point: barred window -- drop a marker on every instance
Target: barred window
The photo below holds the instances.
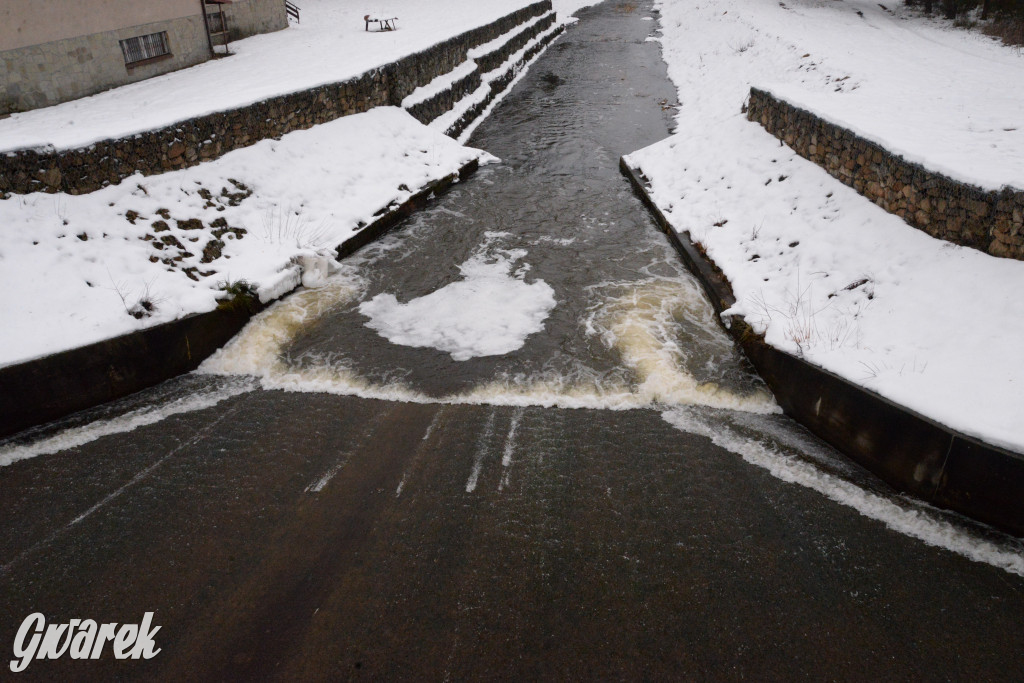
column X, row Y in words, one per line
column 141, row 48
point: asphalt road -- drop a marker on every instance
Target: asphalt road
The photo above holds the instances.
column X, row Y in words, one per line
column 293, row 536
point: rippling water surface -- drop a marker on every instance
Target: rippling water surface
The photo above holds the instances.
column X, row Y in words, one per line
column 431, row 311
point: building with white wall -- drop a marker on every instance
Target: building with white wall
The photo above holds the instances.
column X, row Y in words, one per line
column 52, row 51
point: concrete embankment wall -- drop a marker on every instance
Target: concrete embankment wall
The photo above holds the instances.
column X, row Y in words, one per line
column 991, row 221
column 907, row 450
column 193, row 141
column 49, row 388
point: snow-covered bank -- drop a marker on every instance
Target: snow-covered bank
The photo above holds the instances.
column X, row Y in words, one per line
column 820, row 270
column 76, row 267
column 153, row 249
column 330, row 45
column 948, row 99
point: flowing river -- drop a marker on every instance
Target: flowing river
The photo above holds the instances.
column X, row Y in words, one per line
column 509, row 439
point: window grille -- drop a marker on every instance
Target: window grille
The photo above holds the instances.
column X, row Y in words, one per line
column 141, row 48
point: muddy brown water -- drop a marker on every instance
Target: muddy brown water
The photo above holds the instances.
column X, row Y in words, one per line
column 396, row 514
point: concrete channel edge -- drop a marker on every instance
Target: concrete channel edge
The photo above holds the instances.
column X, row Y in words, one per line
column 55, row 386
column 907, row 450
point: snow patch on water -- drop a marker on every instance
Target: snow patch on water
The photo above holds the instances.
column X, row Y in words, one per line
column 490, row 312
column 916, row 523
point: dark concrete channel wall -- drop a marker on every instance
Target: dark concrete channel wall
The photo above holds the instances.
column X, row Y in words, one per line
column 194, row 141
column 55, row 386
column 909, row 451
column 992, row 221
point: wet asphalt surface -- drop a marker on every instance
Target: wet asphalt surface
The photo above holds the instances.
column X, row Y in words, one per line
column 302, row 535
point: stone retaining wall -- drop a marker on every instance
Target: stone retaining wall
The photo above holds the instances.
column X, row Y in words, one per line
column 429, row 109
column 191, row 142
column 992, row 221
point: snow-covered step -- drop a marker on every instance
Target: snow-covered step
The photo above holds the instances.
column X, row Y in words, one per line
column 461, row 94
column 491, row 55
column 460, row 119
column 427, row 102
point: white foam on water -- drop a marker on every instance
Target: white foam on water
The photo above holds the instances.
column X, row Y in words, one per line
column 319, row 484
column 637, row 323
column 641, row 323
column 560, row 241
column 79, row 436
column 510, row 440
column 490, row 312
column 552, row 392
column 256, row 349
column 510, row 448
column 433, row 424
column 916, row 523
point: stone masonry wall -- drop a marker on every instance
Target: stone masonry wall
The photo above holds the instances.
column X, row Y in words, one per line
column 191, row 142
column 251, row 17
column 992, row 221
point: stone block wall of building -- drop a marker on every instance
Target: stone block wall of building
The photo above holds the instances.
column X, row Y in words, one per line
column 42, row 75
column 251, row 17
column 991, row 221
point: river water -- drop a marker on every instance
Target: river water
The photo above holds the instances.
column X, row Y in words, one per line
column 542, row 279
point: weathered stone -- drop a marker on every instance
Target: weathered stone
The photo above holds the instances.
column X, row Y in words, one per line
column 52, row 177
column 212, row 251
